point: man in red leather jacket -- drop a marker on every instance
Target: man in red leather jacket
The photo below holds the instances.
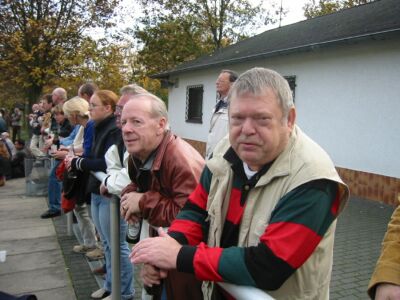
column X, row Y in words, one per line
column 164, row 170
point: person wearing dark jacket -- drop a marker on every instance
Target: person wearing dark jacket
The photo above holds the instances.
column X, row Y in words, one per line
column 60, row 129
column 16, row 123
column 106, row 133
column 3, row 123
column 17, row 162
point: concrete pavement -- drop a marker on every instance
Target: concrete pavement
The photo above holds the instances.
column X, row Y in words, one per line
column 34, row 262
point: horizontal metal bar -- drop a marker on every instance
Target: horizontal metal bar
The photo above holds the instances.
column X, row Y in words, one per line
column 240, row 292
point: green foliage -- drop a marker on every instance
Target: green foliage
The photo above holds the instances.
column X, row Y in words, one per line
column 323, row 7
column 100, row 62
column 42, row 41
column 170, row 43
column 175, row 31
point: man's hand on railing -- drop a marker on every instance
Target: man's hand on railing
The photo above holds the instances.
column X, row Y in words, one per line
column 161, row 251
column 130, row 210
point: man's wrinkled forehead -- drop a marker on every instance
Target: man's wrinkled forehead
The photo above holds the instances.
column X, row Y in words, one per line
column 237, row 95
column 136, row 102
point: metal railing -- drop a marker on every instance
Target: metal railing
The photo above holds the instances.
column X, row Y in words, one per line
column 239, row 292
column 115, row 242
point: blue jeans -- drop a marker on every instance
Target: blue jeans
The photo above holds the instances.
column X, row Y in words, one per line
column 54, row 189
column 101, row 218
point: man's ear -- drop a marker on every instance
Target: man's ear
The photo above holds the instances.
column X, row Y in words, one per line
column 162, row 123
column 291, row 119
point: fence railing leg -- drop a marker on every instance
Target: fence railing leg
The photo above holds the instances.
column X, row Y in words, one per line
column 69, row 223
column 115, row 249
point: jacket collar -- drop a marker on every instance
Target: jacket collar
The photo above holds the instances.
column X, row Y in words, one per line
column 103, row 123
column 168, row 136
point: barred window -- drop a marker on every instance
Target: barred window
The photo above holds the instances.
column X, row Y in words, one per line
column 194, row 104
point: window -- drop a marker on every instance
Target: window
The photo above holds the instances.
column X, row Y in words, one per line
column 194, row 104
column 292, row 84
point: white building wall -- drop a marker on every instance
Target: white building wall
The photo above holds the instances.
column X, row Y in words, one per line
column 347, row 100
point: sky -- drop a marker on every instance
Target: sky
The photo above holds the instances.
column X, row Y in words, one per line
column 295, row 11
column 294, row 14
column 293, row 8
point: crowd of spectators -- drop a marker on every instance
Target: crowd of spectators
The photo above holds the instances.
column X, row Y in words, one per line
column 259, row 211
column 12, row 151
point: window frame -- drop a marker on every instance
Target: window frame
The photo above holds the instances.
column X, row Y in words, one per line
column 194, row 119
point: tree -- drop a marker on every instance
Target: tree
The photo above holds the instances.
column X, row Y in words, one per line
column 174, row 31
column 41, row 40
column 170, row 43
column 101, row 62
column 323, row 7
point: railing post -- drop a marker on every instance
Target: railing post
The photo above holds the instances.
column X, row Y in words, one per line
column 115, row 241
column 115, row 249
column 69, row 222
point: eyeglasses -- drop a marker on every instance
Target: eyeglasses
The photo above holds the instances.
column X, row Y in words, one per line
column 118, row 108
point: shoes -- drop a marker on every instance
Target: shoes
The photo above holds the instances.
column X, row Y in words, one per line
column 133, row 233
column 2, row 180
column 100, row 294
column 101, row 271
column 50, row 214
column 95, row 254
column 82, row 249
column 109, row 298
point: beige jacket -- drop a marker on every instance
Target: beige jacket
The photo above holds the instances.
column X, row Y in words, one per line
column 301, row 161
column 218, row 130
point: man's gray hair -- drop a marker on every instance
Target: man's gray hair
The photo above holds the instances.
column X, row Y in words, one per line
column 232, row 74
column 62, row 93
column 257, row 80
column 158, row 107
column 132, row 89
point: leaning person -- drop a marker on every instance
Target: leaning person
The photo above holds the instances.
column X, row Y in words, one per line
column 116, row 158
column 77, row 111
column 164, row 170
column 264, row 213
column 106, row 133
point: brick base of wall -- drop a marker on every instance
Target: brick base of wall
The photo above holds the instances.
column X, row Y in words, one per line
column 372, row 186
column 199, row 146
column 362, row 184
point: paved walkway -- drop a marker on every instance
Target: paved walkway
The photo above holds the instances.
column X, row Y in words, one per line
column 34, row 262
column 40, row 260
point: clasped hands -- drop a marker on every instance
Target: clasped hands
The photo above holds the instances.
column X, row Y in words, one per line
column 158, row 254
